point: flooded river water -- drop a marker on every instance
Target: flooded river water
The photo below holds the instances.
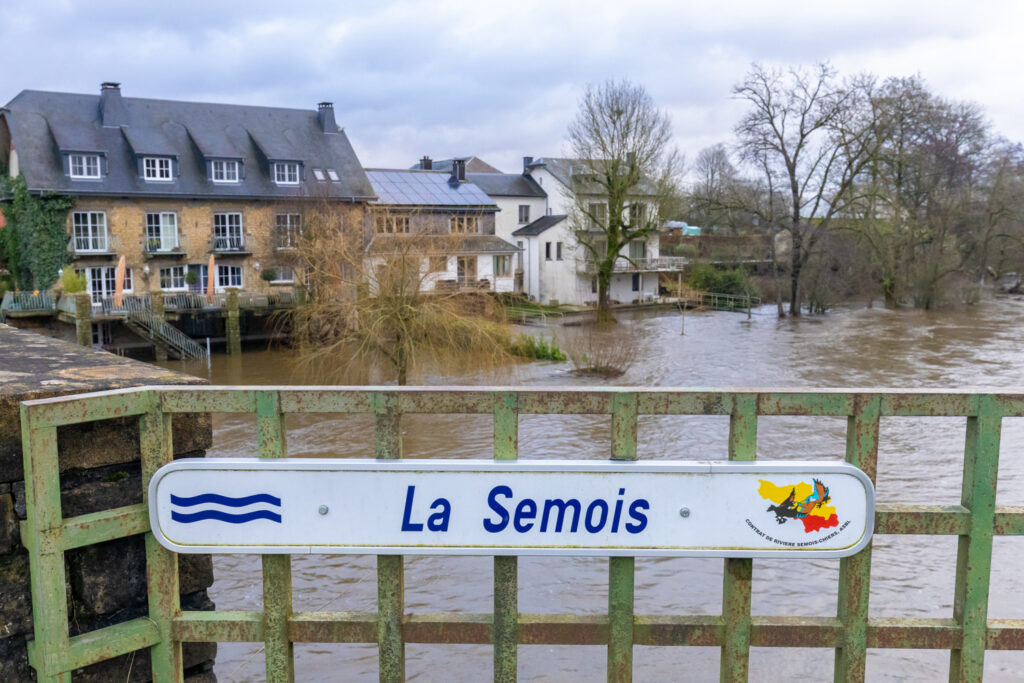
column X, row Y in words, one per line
column 920, row 461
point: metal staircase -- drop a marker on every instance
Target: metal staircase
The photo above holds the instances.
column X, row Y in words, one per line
column 148, row 326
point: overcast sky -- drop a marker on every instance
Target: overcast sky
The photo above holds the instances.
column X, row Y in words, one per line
column 500, row 80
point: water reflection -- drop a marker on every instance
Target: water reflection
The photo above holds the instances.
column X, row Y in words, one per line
column 920, row 460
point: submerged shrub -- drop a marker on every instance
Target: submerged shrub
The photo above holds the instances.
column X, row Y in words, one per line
column 539, row 348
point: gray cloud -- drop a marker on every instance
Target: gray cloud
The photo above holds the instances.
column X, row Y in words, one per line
column 495, row 79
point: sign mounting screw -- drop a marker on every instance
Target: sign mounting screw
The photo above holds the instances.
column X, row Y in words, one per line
column 684, row 512
column 322, row 510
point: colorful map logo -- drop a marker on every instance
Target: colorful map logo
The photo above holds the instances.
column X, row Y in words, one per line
column 808, row 503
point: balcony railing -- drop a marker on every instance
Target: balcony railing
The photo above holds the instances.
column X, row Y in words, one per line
column 26, row 303
column 130, row 303
column 153, row 247
column 231, row 244
column 660, row 263
column 94, row 245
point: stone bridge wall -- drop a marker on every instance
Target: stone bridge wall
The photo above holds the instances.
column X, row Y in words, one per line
column 99, row 464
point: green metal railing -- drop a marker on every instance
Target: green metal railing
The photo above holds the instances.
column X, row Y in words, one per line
column 850, row 633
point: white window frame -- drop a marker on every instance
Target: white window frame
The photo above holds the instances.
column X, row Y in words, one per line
column 637, row 250
column 89, row 230
column 227, row 231
column 333, row 175
column 101, row 282
column 224, row 171
column 158, row 169
column 286, row 173
column 226, row 277
column 161, row 231
column 318, row 173
column 279, row 270
column 83, row 161
column 202, row 271
column 287, row 230
column 176, row 276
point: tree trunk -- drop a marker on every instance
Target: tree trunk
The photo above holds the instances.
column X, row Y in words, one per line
column 604, row 304
column 796, row 259
column 775, row 279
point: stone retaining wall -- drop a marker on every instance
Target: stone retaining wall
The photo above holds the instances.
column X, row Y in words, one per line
column 99, row 464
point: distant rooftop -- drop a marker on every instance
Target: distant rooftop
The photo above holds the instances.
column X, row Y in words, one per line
column 473, row 165
column 395, row 187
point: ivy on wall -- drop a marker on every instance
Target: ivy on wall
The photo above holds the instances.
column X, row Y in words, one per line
column 34, row 241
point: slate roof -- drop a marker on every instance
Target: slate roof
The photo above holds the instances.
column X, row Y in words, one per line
column 473, row 165
column 46, row 125
column 425, row 188
column 506, row 184
column 450, row 244
column 539, row 225
column 564, row 170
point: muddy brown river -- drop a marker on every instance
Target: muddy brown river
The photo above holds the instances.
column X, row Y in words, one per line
column 920, row 461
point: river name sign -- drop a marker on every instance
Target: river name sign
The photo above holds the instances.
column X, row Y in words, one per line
column 524, row 507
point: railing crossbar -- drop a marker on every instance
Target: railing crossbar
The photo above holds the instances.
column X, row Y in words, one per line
column 851, row 632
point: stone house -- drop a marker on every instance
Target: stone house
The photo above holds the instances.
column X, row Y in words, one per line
column 453, row 223
column 168, row 184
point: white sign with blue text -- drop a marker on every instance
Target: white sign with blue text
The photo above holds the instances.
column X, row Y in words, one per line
column 524, row 507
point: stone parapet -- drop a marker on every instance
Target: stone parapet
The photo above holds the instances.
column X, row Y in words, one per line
column 99, row 470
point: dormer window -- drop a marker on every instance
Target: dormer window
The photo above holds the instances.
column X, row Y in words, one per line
column 286, row 173
column 156, row 168
column 85, row 165
column 224, row 171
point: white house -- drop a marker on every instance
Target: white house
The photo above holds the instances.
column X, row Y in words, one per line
column 559, row 269
column 534, row 213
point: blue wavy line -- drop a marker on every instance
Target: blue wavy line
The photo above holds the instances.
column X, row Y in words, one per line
column 224, row 516
column 225, row 500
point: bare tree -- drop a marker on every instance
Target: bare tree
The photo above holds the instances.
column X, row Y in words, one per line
column 376, row 300
column 624, row 177
column 933, row 201
column 811, row 137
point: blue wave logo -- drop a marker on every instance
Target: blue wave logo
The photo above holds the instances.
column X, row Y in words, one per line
column 187, row 516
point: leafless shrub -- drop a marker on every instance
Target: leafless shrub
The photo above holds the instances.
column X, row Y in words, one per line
column 601, row 351
column 376, row 301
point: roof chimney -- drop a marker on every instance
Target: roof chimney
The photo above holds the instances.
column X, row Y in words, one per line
column 526, row 164
column 458, row 171
column 426, row 164
column 112, row 111
column 326, row 114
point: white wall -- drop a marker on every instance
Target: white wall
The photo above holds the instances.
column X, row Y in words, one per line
column 506, row 221
column 557, row 202
column 561, row 281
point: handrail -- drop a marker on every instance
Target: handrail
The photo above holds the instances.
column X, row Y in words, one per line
column 152, row 246
column 160, row 331
column 103, row 245
column 654, row 263
column 24, row 302
column 850, row 630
